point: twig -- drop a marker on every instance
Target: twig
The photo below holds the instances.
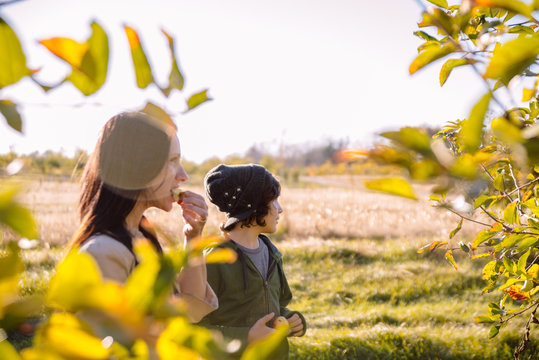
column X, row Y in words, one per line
column 526, row 338
column 535, row 303
column 467, row 218
column 507, row 228
column 523, row 186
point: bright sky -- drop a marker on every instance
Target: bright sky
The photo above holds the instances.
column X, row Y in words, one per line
column 280, row 72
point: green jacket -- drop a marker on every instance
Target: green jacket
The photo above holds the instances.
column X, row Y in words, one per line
column 244, row 296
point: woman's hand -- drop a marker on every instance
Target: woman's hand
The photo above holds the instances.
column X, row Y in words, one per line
column 195, row 214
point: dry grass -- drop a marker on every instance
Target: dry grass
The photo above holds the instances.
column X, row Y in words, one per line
column 344, row 211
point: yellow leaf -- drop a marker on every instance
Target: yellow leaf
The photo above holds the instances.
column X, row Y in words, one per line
column 197, row 99
column 393, row 186
column 143, row 71
column 430, row 54
column 202, row 243
column 221, row 256
column 69, row 50
column 472, row 128
column 66, row 335
column 449, row 257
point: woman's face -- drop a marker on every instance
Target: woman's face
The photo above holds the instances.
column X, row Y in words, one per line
column 172, row 175
column 272, row 219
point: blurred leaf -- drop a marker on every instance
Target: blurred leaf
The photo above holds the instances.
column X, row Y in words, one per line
column 448, row 66
column 528, row 94
column 158, row 113
column 14, row 215
column 151, row 282
column 201, row 243
column 7, row 351
column 510, row 214
column 12, row 61
column 440, row 3
column 69, row 50
column 510, row 5
column 506, row 131
column 466, row 166
column 266, row 348
column 143, row 70
column 175, row 78
column 88, row 60
column 181, row 340
column 413, row 138
column 221, row 256
column 76, row 277
column 67, row 336
column 429, row 55
column 512, row 58
column 18, row 311
column 472, row 128
column 520, row 29
column 456, row 230
column 449, row 257
column 13, row 118
column 11, row 267
column 197, row 99
column 393, row 186
column 424, row 36
column 438, row 18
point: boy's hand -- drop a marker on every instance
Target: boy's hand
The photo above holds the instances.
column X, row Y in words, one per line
column 259, row 330
column 296, row 325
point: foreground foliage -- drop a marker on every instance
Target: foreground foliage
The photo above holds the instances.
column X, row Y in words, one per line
column 489, row 162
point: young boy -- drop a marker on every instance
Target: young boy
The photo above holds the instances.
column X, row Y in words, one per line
column 253, row 291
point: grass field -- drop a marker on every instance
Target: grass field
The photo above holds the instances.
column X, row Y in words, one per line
column 352, row 263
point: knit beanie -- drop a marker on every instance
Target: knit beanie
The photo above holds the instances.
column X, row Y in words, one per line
column 235, row 189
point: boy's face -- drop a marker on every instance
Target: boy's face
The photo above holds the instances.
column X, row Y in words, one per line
column 272, row 219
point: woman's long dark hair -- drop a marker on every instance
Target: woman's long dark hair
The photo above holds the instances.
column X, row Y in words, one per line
column 103, row 208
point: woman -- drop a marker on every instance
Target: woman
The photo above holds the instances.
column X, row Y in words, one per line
column 135, row 166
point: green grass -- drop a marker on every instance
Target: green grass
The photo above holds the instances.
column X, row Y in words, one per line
column 369, row 299
column 379, row 299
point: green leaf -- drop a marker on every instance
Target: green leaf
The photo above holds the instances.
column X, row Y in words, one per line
column 449, row 257
column 512, row 58
column 530, row 204
column 440, row 3
column 494, row 331
column 472, row 128
column 393, row 186
column 523, row 261
column 508, row 242
column 483, row 236
column 484, row 200
column 197, row 99
column 429, row 55
column 456, row 230
column 520, row 29
column 510, row 214
column 13, row 118
column 510, row 266
column 528, row 243
column 448, row 66
column 175, row 78
column 143, row 70
column 12, row 61
column 484, row 319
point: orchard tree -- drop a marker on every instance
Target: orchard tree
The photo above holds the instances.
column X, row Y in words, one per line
column 135, row 321
column 490, row 158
